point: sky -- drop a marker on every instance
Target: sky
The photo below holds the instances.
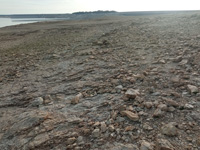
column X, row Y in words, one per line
column 70, row 6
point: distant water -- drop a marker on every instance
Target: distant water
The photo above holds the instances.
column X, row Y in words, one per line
column 9, row 22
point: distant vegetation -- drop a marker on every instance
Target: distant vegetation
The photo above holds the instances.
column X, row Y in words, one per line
column 93, row 12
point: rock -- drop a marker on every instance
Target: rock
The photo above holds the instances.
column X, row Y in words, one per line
column 38, row 140
column 129, row 128
column 111, row 128
column 163, row 144
column 119, row 87
column 37, row 102
column 183, row 62
column 77, row 98
column 148, row 105
column 114, row 114
column 130, row 115
column 78, row 148
column 175, row 94
column 158, row 113
column 175, row 79
column 120, row 146
column 177, row 59
column 103, row 127
column 120, row 119
column 74, row 119
column 162, row 61
column 147, row 127
column 171, row 109
column 198, row 141
column 169, row 129
column 48, row 99
column 156, row 94
column 80, row 139
column 131, row 93
column 162, row 107
column 171, row 102
column 188, row 106
column 96, row 133
column 96, row 124
column 146, row 146
column 71, row 140
column 192, row 89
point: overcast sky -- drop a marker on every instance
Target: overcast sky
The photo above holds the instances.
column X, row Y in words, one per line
column 69, row 6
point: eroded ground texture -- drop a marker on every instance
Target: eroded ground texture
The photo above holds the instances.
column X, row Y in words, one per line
column 120, row 83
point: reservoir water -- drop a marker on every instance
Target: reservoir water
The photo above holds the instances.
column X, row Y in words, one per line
column 9, row 21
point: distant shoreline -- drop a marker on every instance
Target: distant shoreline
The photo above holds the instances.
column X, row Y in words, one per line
column 33, row 18
column 78, row 15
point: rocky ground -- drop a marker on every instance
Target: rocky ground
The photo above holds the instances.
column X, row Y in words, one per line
column 120, row 83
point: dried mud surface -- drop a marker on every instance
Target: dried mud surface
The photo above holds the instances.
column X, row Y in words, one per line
column 115, row 83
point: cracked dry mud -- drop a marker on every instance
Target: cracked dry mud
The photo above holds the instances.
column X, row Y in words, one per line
column 118, row 83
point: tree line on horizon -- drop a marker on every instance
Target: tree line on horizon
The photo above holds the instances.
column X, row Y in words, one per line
column 93, row 12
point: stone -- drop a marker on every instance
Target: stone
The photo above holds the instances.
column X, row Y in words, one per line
column 129, row 128
column 175, row 79
column 131, row 93
column 146, row 146
column 96, row 133
column 38, row 140
column 132, row 116
column 183, row 62
column 48, row 99
column 114, row 114
column 96, row 124
column 71, row 140
column 120, row 146
column 148, row 105
column 171, row 102
column 80, row 139
column 162, row 61
column 198, row 141
column 188, row 106
column 162, row 107
column 111, row 128
column 171, row 109
column 76, row 99
column 163, row 144
column 169, row 129
column 147, row 127
column 120, row 119
column 37, row 102
column 119, row 87
column 178, row 59
column 158, row 113
column 192, row 89
column 156, row 94
column 103, row 127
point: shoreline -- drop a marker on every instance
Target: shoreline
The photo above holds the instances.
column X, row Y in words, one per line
column 117, row 82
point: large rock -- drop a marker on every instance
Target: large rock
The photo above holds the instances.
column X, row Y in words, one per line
column 163, row 144
column 33, row 129
column 131, row 93
column 193, row 89
column 96, row 133
column 158, row 113
column 77, row 98
column 146, row 146
column 169, row 129
column 37, row 102
column 130, row 115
